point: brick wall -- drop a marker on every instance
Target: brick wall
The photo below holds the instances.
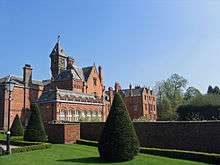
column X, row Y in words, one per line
column 92, row 88
column 195, row 136
column 63, row 133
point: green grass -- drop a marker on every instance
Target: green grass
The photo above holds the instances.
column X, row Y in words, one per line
column 14, row 138
column 2, row 136
column 75, row 154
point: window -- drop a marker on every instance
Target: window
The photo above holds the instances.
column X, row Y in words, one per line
column 62, row 115
column 94, row 81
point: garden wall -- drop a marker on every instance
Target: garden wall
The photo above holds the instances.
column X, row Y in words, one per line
column 63, row 133
column 195, row 136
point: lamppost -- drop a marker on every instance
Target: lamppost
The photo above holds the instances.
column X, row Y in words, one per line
column 9, row 87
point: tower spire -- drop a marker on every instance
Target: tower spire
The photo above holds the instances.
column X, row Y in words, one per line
column 58, row 38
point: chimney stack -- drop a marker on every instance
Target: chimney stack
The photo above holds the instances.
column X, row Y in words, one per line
column 111, row 94
column 27, row 74
column 100, row 74
column 130, row 87
column 117, row 86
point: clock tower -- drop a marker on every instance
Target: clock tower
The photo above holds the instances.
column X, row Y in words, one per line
column 58, row 60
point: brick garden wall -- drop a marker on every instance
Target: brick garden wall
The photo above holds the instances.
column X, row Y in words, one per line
column 63, row 133
column 195, row 136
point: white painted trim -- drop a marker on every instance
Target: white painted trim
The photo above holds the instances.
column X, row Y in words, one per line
column 66, row 101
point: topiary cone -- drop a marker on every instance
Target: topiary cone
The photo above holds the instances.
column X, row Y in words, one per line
column 16, row 127
column 35, row 130
column 118, row 141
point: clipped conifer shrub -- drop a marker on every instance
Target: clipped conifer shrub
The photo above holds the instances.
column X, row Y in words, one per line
column 118, row 141
column 35, row 130
column 16, row 127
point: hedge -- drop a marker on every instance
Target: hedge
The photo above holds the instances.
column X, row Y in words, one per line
column 171, row 153
column 31, row 148
column 39, row 146
column 196, row 112
column 21, row 143
column 181, row 154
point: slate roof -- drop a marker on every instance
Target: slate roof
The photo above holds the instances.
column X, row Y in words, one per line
column 74, row 73
column 128, row 92
column 67, row 95
column 58, row 49
column 87, row 71
column 132, row 92
column 19, row 80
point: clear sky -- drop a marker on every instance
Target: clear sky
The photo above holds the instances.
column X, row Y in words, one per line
column 136, row 41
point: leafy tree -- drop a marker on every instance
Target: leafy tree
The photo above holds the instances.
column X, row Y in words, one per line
column 118, row 141
column 35, row 129
column 210, row 90
column 204, row 100
column 16, row 127
column 165, row 111
column 172, row 90
column 216, row 90
column 191, row 93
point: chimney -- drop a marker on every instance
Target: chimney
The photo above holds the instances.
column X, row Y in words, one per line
column 130, row 87
column 27, row 74
column 100, row 74
column 111, row 94
column 70, row 62
column 117, row 86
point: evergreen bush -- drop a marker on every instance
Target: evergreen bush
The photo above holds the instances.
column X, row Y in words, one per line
column 35, row 130
column 16, row 127
column 118, row 141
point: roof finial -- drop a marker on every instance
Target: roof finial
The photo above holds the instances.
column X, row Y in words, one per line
column 58, row 38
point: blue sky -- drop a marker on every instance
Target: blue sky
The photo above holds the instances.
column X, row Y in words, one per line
column 136, row 41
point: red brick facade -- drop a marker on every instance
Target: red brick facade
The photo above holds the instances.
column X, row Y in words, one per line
column 63, row 133
column 23, row 95
column 72, row 93
column 139, row 101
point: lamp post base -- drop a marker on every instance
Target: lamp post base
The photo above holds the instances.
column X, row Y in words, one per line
column 8, row 149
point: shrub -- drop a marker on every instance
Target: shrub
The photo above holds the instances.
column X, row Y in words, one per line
column 194, row 112
column 35, row 131
column 118, row 141
column 31, row 148
column 16, row 127
column 142, row 119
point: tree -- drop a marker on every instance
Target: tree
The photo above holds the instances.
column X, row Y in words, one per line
column 172, row 90
column 16, row 127
column 35, row 129
column 210, row 90
column 191, row 93
column 165, row 111
column 216, row 90
column 118, row 141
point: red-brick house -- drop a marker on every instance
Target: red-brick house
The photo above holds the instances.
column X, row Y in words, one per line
column 140, row 101
column 72, row 93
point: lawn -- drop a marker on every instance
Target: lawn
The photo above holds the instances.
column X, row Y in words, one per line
column 2, row 136
column 74, row 154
